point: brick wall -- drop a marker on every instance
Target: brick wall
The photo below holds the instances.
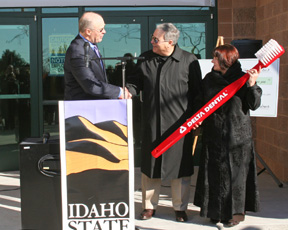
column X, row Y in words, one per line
column 272, row 133
column 263, row 20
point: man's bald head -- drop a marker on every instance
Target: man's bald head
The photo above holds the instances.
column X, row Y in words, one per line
column 88, row 19
column 91, row 27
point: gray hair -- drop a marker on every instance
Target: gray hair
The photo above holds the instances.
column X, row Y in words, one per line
column 84, row 24
column 171, row 32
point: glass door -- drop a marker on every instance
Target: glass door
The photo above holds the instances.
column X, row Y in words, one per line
column 15, row 84
column 125, row 37
column 57, row 34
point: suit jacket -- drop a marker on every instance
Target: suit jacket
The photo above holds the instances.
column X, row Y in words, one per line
column 84, row 83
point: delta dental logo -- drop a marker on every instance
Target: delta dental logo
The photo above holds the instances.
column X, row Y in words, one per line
column 204, row 112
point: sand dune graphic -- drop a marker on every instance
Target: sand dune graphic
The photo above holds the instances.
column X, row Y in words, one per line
column 95, row 146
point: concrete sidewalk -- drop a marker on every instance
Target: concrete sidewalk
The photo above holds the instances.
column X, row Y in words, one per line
column 273, row 214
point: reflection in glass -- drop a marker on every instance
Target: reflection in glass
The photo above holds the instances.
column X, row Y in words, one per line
column 120, row 40
column 192, row 38
column 57, row 35
column 14, row 59
column 14, row 72
column 51, row 119
column 14, row 86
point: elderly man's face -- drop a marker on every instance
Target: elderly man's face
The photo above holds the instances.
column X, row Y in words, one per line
column 160, row 45
column 97, row 30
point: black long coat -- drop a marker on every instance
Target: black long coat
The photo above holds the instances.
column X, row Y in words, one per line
column 226, row 182
column 169, row 86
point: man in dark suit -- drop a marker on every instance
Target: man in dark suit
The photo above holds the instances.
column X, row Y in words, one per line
column 86, row 79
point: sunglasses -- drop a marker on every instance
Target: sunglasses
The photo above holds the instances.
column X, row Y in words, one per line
column 156, row 40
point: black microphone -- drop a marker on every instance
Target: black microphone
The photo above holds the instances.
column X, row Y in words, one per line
column 86, row 54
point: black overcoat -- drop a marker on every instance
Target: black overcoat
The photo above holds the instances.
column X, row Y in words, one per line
column 169, row 86
column 226, row 182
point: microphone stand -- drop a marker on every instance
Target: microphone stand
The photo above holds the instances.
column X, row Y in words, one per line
column 123, row 65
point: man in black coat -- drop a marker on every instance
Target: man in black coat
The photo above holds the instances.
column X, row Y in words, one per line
column 84, row 73
column 170, row 79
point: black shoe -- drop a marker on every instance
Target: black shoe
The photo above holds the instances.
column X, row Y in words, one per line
column 214, row 221
column 147, row 214
column 181, row 216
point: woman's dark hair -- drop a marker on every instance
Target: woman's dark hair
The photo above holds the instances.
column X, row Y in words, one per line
column 227, row 55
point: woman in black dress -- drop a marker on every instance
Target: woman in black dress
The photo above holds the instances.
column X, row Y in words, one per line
column 226, row 185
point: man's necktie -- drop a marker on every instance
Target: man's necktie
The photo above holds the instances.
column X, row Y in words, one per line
column 99, row 56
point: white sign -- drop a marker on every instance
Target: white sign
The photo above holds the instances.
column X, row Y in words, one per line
column 58, row 45
column 268, row 80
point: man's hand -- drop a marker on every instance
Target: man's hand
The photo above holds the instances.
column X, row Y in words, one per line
column 128, row 95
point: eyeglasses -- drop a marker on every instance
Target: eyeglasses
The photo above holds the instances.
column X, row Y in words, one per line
column 100, row 30
column 156, row 40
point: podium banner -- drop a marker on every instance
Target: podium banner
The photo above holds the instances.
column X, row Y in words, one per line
column 97, row 165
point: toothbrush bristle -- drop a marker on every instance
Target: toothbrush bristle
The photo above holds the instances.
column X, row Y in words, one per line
column 269, row 52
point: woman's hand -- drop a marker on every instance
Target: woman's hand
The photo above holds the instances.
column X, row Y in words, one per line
column 254, row 73
column 197, row 125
